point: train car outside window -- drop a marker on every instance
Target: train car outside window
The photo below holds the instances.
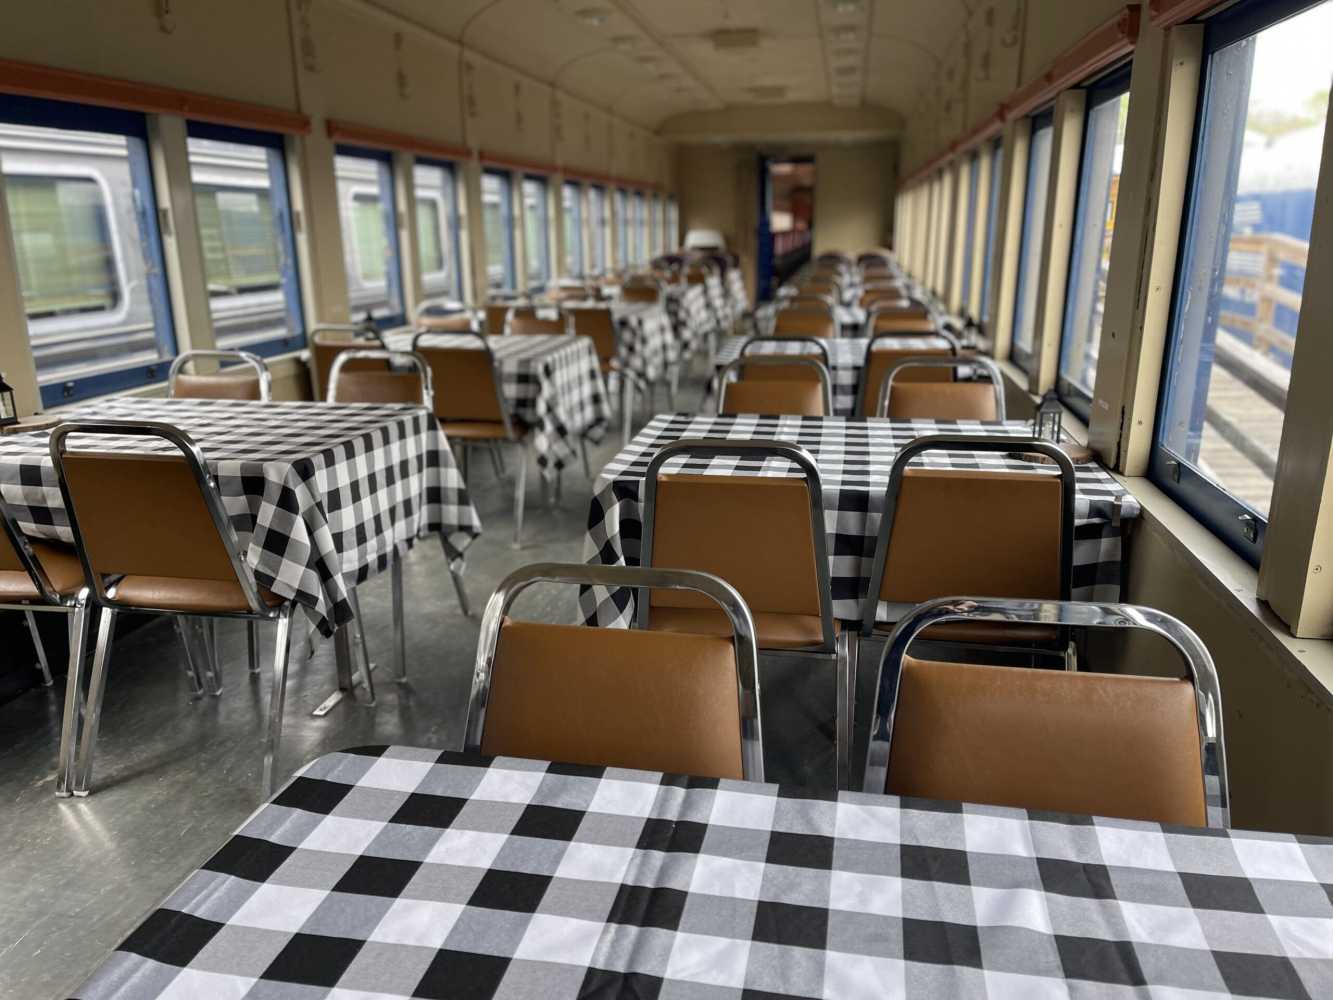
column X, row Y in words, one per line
column 370, row 235
column 658, row 227
column 536, row 230
column 437, row 229
column 85, row 230
column 1033, row 239
column 672, row 224
column 497, row 211
column 1242, row 266
column 245, row 229
column 597, row 229
column 1094, row 226
column 571, row 196
column 622, row 257
column 639, row 220
column 992, row 213
column 969, row 227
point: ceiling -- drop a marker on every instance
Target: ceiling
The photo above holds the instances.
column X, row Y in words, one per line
column 652, row 60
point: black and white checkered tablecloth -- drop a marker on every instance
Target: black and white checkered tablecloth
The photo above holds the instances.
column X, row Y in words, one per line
column 397, row 872
column 553, row 383
column 736, row 293
column 719, row 301
column 854, row 458
column 648, row 343
column 846, row 359
column 317, row 492
column 693, row 321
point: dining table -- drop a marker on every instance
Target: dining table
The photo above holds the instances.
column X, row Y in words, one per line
column 854, row 457
column 403, row 872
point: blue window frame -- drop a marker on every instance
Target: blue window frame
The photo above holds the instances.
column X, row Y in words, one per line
column 369, row 218
column 497, row 211
column 992, row 211
column 439, row 246
column 1033, row 240
column 83, row 214
column 245, row 229
column 1241, row 270
column 970, row 228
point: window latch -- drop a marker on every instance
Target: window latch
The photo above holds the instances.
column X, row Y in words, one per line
column 1249, row 527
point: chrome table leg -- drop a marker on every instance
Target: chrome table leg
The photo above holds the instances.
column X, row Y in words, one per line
column 69, row 723
column 281, row 654
column 92, row 714
column 399, row 630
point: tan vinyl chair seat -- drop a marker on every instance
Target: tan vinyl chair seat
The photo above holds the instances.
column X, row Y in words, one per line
column 772, row 631
column 774, row 396
column 63, row 570
column 480, row 430
column 217, row 386
column 1085, row 743
column 941, row 400
column 615, row 697
column 180, row 594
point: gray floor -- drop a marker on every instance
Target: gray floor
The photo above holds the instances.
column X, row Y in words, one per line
column 174, row 778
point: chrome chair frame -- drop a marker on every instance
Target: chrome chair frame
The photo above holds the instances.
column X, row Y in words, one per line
column 363, row 331
column 241, row 357
column 395, row 359
column 861, row 386
column 76, row 774
column 842, row 647
column 966, row 442
column 521, row 476
column 1067, row 614
column 803, row 302
column 991, row 369
column 637, row 579
column 47, row 599
column 819, row 346
column 737, row 366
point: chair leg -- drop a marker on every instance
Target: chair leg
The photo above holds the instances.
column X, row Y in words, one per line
column 42, row 665
column 92, row 714
column 846, row 706
column 495, row 462
column 281, row 654
column 464, row 450
column 69, row 724
column 194, row 667
column 587, row 466
column 456, row 571
column 626, row 407
column 358, row 624
column 399, row 629
column 520, row 491
column 202, row 634
column 252, row 641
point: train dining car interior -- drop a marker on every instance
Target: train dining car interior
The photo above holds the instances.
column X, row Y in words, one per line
column 714, row 499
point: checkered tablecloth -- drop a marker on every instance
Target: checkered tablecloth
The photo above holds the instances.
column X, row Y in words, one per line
column 719, row 301
column 846, row 359
column 397, row 872
column 318, row 493
column 693, row 321
column 854, row 458
column 736, row 293
column 648, row 344
column 552, row 382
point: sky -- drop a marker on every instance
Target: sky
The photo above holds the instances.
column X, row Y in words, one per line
column 1293, row 60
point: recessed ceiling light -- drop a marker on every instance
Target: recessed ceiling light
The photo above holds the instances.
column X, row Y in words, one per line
column 844, row 54
column 846, row 6
column 846, row 70
column 624, row 41
column 844, row 34
column 595, row 16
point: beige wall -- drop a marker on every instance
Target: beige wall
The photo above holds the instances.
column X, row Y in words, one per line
column 854, row 190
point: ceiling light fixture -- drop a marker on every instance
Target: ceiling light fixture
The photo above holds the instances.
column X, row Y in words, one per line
column 846, row 6
column 594, row 16
column 844, row 34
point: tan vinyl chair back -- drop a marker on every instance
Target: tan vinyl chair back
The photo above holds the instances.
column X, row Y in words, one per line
column 789, row 397
column 804, row 322
column 571, row 293
column 696, row 276
column 378, row 387
column 458, row 322
column 496, row 314
column 599, row 324
column 640, row 292
column 886, row 298
column 1051, row 740
column 463, row 380
column 910, row 320
column 881, row 360
column 941, row 400
column 248, row 380
column 630, row 698
column 524, row 321
column 942, row 545
column 325, row 347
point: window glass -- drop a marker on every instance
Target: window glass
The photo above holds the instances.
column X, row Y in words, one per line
column 89, row 256
column 969, row 228
column 497, row 211
column 572, row 202
column 673, row 225
column 597, row 229
column 1090, row 255
column 370, row 244
column 1033, row 241
column 640, row 222
column 1242, row 270
column 244, row 218
column 437, row 229
column 622, row 228
column 659, row 227
column 992, row 209
column 535, row 230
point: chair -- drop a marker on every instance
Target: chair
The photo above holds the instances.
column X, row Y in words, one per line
column 727, row 525
column 943, row 400
column 121, row 507
column 571, row 293
column 781, row 385
column 641, row 289
column 351, row 383
column 444, row 319
column 256, row 385
column 810, row 301
column 687, row 704
column 330, row 340
column 471, row 408
column 1131, row 747
column 891, row 297
column 526, row 320
column 806, row 321
column 828, row 286
column 905, row 320
column 599, row 324
column 883, row 351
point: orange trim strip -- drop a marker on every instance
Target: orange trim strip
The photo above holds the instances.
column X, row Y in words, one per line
column 1099, row 49
column 1165, row 13
column 378, row 138
column 529, row 166
column 31, row 80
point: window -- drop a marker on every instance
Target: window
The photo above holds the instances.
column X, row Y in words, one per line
column 1033, row 240
column 622, row 228
column 673, row 225
column 638, row 240
column 572, row 198
column 1242, row 266
column 370, row 235
column 245, row 229
column 1090, row 254
column 90, row 270
column 597, row 229
column 437, row 229
column 992, row 210
column 659, row 227
column 535, row 230
column 969, row 228
column 497, row 212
